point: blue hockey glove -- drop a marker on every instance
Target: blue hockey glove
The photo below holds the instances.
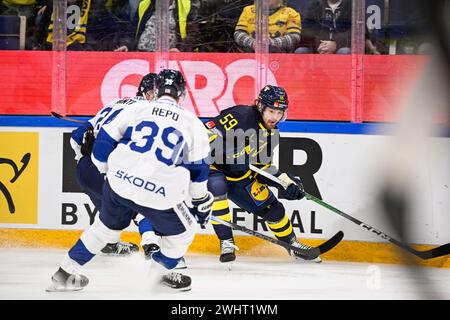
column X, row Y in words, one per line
column 203, row 208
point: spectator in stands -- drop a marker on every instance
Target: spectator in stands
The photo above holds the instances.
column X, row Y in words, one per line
column 284, row 28
column 371, row 48
column 107, row 21
column 416, row 25
column 182, row 23
column 96, row 28
column 327, row 27
column 372, row 45
column 134, row 4
column 217, row 22
column 76, row 33
column 42, row 21
column 27, row 8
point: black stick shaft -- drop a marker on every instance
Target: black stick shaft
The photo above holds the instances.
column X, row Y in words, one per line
column 58, row 116
column 428, row 254
column 360, row 223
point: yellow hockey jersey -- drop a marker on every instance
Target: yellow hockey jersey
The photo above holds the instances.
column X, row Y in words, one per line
column 285, row 20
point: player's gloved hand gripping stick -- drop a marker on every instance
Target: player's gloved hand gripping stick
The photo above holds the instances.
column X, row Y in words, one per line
column 203, row 208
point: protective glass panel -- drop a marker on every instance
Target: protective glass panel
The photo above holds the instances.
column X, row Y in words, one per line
column 398, row 28
column 317, row 70
column 101, row 50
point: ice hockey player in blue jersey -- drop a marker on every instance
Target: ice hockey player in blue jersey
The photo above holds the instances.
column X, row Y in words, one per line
column 231, row 178
column 155, row 157
column 91, row 180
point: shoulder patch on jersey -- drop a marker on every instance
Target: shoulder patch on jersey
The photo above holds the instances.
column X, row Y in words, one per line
column 210, row 124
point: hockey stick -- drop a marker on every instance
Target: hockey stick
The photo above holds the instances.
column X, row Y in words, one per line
column 311, row 254
column 61, row 117
column 428, row 254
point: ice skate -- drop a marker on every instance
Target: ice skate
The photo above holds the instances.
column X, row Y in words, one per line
column 176, row 281
column 227, row 252
column 120, row 249
column 150, row 249
column 63, row 281
column 294, row 242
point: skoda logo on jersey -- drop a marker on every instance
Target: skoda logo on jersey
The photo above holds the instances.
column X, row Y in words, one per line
column 140, row 183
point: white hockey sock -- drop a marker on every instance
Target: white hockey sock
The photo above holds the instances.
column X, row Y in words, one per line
column 149, row 237
column 69, row 265
column 98, row 236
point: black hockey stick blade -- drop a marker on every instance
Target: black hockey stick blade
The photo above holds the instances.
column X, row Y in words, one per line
column 61, row 117
column 434, row 253
column 331, row 243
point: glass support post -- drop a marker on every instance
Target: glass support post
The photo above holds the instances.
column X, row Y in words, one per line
column 59, row 67
column 162, row 35
column 358, row 50
column 261, row 44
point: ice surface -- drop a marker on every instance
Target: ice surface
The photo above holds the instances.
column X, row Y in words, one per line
column 25, row 273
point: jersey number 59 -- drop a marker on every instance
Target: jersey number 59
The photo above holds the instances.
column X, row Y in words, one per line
column 228, row 122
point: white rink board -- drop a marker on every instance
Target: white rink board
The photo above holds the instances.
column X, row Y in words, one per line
column 347, row 179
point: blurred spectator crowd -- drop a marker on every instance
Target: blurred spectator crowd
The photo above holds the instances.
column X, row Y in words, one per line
column 295, row 26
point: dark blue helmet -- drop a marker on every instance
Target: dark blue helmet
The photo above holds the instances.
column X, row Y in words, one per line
column 273, row 97
column 170, row 82
column 147, row 84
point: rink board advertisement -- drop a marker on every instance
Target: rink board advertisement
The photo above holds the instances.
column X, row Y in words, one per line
column 319, row 86
column 19, row 161
column 341, row 169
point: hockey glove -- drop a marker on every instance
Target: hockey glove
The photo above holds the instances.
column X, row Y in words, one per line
column 203, row 208
column 88, row 142
column 295, row 190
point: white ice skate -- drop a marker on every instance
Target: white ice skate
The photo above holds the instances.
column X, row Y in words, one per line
column 227, row 252
column 63, row 281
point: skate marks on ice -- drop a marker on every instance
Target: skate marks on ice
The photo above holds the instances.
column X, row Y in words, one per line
column 25, row 273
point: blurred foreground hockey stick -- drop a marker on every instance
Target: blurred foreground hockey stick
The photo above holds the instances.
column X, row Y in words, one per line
column 428, row 254
column 61, row 117
column 311, row 254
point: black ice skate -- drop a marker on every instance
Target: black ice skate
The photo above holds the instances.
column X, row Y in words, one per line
column 63, row 281
column 294, row 242
column 176, row 281
column 227, row 248
column 150, row 249
column 120, row 249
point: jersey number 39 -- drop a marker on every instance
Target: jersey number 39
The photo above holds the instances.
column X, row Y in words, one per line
column 147, row 141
